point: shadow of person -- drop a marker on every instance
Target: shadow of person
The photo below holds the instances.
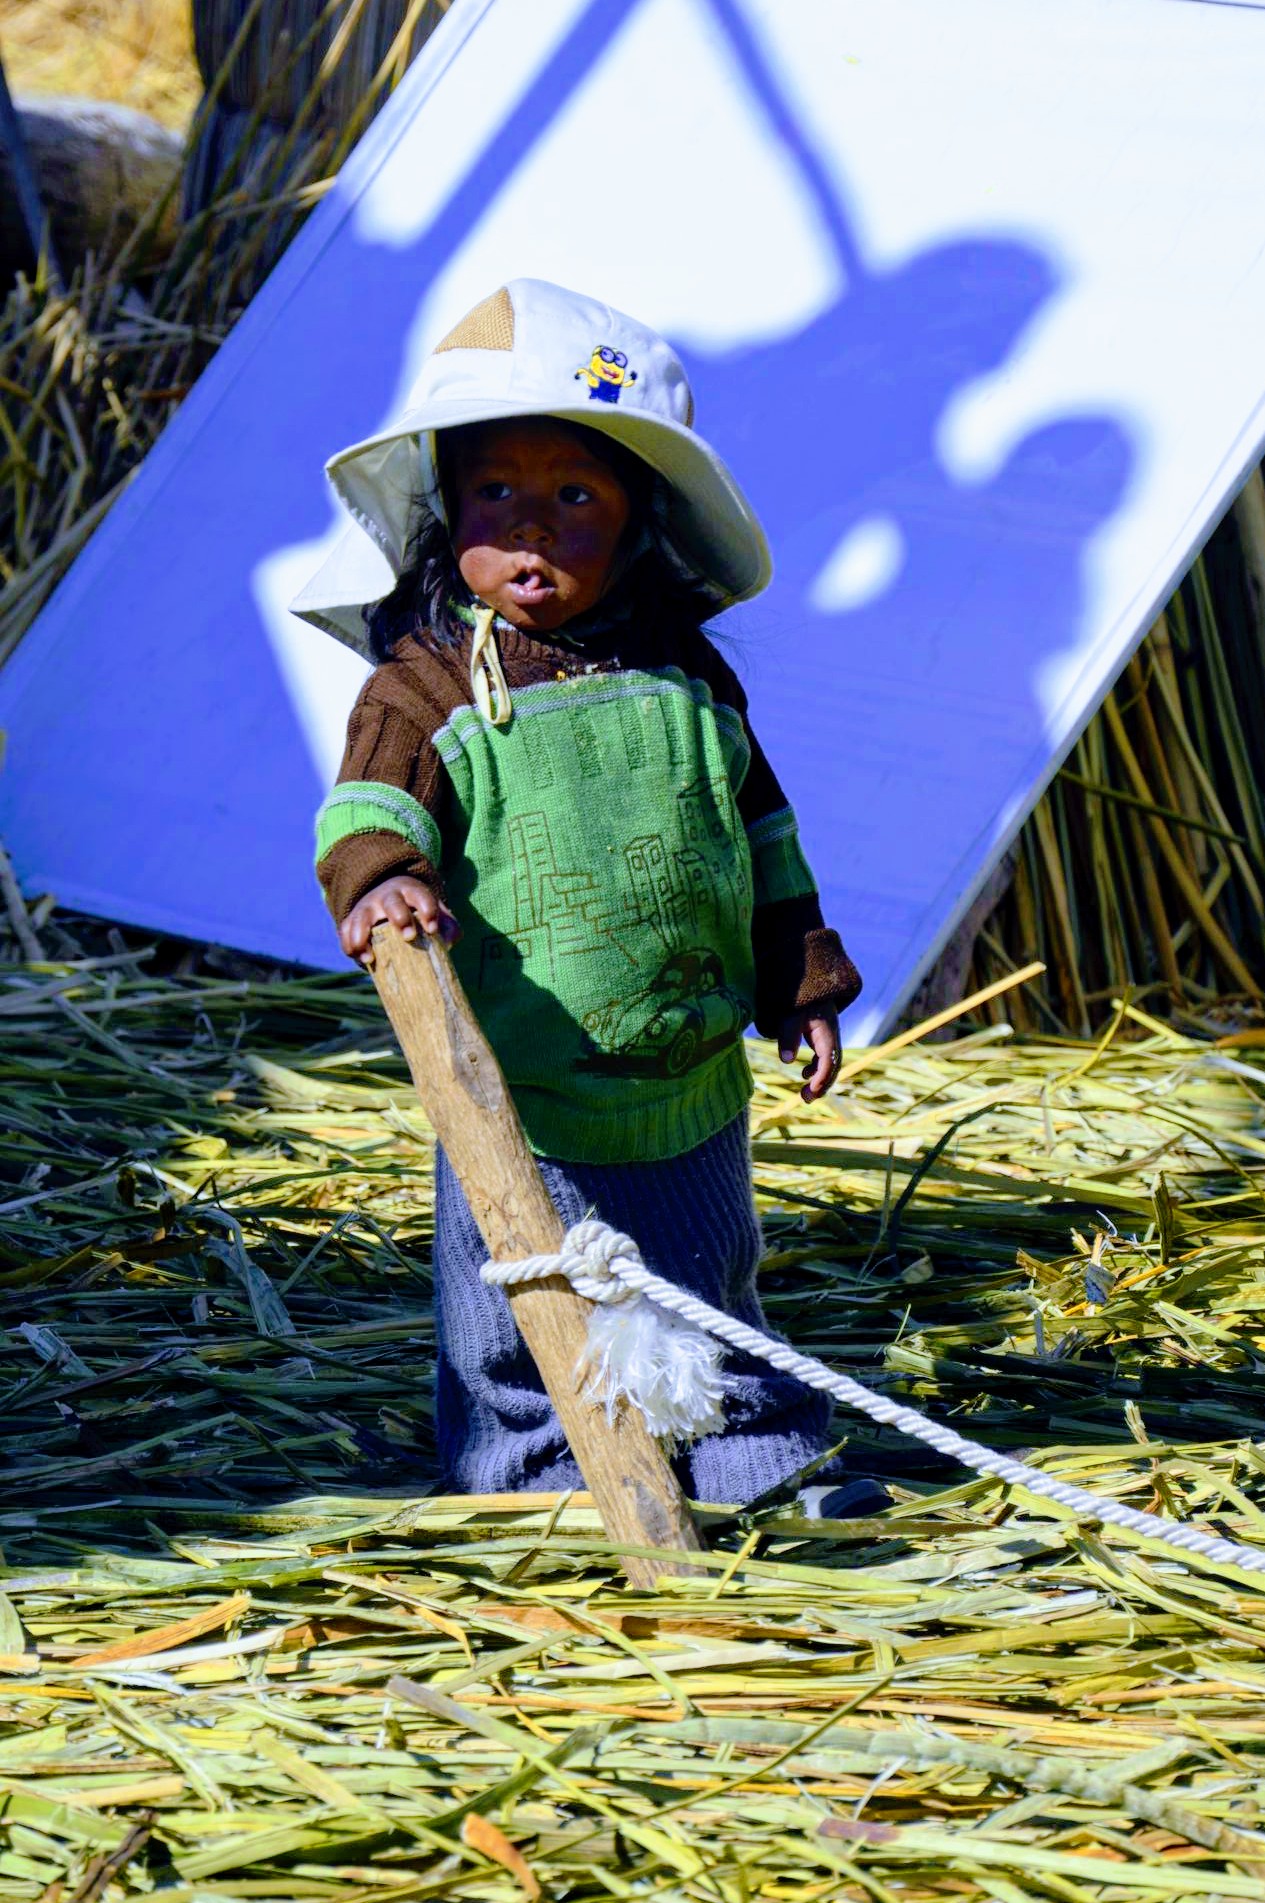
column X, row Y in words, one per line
column 917, row 703
column 828, row 427
column 842, row 425
column 857, row 392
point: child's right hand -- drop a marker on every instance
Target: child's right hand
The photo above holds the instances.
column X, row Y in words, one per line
column 406, row 903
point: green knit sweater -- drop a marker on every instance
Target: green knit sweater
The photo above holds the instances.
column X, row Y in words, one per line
column 594, row 852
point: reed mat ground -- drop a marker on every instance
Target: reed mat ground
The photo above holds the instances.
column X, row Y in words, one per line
column 245, row 1651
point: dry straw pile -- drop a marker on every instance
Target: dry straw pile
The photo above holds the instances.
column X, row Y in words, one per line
column 245, row 1654
column 1145, row 863
column 136, row 53
column 91, row 373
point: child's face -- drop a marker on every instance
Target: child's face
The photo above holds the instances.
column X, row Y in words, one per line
column 537, row 520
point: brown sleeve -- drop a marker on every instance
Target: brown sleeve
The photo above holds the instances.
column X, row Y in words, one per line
column 800, row 963
column 364, row 860
column 389, row 745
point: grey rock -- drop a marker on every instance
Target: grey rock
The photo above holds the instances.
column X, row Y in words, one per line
column 100, row 168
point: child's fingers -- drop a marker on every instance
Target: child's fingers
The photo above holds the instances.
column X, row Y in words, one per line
column 353, row 933
column 823, row 1038
column 404, row 903
column 817, row 1078
column 400, row 907
column 790, row 1034
column 432, row 914
column 423, row 905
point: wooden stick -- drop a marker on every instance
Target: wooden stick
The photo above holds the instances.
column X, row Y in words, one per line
column 466, row 1099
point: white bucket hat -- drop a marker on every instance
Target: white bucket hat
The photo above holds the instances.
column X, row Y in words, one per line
column 534, row 349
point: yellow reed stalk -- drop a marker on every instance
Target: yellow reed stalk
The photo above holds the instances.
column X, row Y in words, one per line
column 1194, row 898
column 877, row 1052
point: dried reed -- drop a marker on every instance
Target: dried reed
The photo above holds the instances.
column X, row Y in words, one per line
column 137, row 53
column 246, row 1652
column 1145, row 863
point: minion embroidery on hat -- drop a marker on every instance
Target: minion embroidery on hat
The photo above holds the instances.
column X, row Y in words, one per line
column 606, row 374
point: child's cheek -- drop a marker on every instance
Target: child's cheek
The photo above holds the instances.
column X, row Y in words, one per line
column 477, row 567
column 476, row 527
column 585, row 548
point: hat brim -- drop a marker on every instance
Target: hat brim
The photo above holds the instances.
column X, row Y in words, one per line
column 382, row 480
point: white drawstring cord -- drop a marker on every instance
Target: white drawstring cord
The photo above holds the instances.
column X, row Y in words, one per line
column 487, row 677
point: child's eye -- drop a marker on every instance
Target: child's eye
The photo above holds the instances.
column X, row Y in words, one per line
column 575, row 492
column 494, row 491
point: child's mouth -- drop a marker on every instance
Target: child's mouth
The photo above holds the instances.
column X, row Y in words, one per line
column 529, row 589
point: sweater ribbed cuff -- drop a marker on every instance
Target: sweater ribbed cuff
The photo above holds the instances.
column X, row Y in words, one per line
column 800, row 963
column 362, row 860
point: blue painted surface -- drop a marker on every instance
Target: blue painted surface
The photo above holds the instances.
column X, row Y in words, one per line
column 177, row 790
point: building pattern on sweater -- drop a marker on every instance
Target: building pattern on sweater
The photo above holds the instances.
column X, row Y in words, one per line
column 624, row 864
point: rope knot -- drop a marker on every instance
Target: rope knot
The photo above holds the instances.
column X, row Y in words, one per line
column 591, row 1257
column 636, row 1352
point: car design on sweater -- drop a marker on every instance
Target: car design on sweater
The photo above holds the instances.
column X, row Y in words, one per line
column 686, row 1013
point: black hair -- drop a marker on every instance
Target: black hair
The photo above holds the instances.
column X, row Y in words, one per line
column 430, row 592
column 426, row 596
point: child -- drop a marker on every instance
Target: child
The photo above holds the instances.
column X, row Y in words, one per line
column 552, row 769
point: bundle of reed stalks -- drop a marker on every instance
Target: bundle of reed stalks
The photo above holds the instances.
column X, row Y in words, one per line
column 1144, row 865
column 245, row 1651
column 90, row 373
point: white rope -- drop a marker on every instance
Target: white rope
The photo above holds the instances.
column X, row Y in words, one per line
column 606, row 1267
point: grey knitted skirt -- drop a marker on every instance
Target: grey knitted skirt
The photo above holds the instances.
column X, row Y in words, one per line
column 693, row 1218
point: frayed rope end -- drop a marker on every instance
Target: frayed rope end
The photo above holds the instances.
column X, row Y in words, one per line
column 669, row 1370
column 637, row 1354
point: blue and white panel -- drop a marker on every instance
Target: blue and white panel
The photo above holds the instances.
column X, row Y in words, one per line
column 973, row 297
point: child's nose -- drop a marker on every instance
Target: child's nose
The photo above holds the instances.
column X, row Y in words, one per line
column 531, row 530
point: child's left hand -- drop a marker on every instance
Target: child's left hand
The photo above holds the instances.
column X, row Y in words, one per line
column 820, row 1031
